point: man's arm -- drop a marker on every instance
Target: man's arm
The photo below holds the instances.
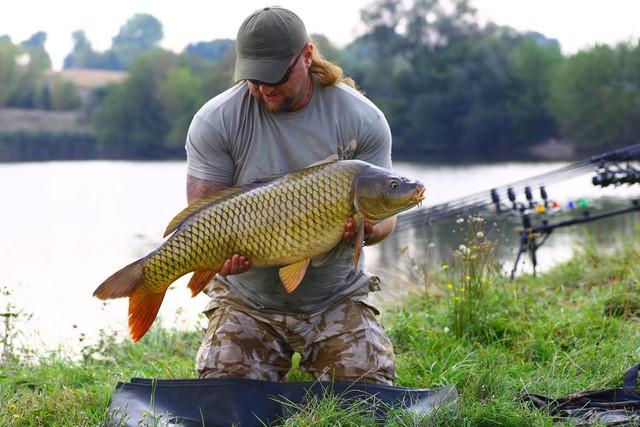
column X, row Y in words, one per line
column 380, row 231
column 372, row 233
column 199, row 189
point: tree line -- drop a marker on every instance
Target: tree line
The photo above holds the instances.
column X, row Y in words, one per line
column 448, row 85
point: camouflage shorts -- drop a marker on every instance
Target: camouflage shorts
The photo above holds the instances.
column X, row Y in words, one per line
column 343, row 343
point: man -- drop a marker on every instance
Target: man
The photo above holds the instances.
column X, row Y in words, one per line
column 289, row 109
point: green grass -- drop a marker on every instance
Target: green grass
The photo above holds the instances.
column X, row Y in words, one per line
column 574, row 328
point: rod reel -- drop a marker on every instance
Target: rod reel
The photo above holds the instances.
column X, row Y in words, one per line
column 616, row 175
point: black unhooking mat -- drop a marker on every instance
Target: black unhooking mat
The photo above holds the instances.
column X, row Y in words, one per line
column 244, row 403
column 614, row 407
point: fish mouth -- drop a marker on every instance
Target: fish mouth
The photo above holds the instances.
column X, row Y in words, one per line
column 418, row 195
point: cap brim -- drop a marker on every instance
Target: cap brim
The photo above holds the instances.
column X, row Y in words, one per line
column 265, row 70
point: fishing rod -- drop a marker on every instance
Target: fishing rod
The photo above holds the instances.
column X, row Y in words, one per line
column 608, row 172
column 490, row 200
column 614, row 168
column 529, row 235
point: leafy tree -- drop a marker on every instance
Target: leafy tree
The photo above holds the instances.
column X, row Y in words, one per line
column 139, row 34
column 448, row 85
column 533, row 61
column 8, row 70
column 83, row 55
column 181, row 94
column 595, row 96
column 131, row 119
column 442, row 82
column 214, row 50
column 219, row 76
column 63, row 95
column 148, row 115
column 326, row 48
column 22, row 70
column 34, row 46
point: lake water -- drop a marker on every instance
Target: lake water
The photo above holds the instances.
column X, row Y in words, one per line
column 69, row 225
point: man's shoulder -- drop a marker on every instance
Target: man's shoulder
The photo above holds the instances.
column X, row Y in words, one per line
column 227, row 101
column 351, row 98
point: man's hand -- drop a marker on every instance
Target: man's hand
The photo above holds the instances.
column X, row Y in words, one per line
column 351, row 231
column 235, row 265
column 372, row 233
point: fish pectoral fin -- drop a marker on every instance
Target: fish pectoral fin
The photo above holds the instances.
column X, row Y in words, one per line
column 359, row 243
column 200, row 280
column 292, row 274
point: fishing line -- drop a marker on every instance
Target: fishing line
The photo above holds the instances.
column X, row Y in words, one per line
column 484, row 200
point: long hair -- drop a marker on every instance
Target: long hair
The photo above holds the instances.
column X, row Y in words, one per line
column 326, row 72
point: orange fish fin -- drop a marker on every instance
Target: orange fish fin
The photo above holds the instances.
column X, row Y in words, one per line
column 122, row 283
column 143, row 309
column 199, row 280
column 292, row 274
column 359, row 243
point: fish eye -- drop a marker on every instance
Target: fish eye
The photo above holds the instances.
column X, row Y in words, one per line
column 394, row 184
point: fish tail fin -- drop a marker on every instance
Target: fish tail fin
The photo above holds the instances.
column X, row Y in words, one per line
column 123, row 282
column 143, row 302
column 143, row 309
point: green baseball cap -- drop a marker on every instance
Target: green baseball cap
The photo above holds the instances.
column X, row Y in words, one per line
column 267, row 41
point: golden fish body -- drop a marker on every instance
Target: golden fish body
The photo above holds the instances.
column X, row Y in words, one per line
column 281, row 222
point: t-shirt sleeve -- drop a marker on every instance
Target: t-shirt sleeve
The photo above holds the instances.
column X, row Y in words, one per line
column 207, row 155
column 375, row 144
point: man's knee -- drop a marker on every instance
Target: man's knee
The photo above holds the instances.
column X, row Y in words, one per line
column 237, row 346
column 361, row 352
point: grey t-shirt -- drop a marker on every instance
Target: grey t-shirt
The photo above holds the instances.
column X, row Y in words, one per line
column 233, row 140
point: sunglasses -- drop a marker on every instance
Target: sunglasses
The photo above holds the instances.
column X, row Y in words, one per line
column 284, row 78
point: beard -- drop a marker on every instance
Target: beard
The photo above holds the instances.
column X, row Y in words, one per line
column 285, row 105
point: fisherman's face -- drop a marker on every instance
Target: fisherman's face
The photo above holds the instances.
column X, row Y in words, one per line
column 290, row 95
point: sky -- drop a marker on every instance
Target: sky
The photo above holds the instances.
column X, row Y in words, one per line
column 577, row 24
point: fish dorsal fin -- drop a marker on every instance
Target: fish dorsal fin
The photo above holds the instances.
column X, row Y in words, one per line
column 331, row 159
column 213, row 199
column 292, row 274
column 359, row 242
column 198, row 205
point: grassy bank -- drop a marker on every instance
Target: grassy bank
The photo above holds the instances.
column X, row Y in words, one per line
column 574, row 328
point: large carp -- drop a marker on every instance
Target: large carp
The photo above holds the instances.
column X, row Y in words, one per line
column 284, row 221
